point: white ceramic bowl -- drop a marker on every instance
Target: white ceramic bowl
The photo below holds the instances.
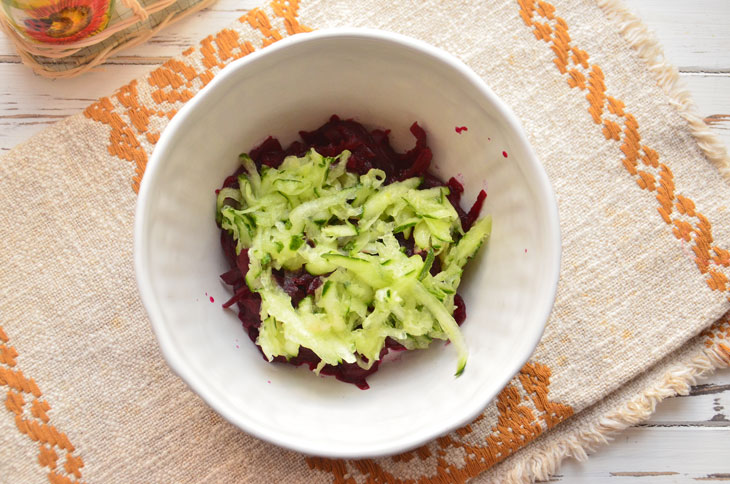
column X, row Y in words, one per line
column 382, row 80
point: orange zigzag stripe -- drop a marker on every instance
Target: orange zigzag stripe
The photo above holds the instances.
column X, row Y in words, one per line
column 33, row 422
column 639, row 160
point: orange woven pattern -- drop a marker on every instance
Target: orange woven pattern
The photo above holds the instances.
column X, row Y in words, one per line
column 641, row 161
column 176, row 82
column 718, row 336
column 23, row 399
column 133, row 118
column 525, row 412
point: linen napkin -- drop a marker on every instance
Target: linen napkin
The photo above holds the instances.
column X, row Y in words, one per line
column 642, row 305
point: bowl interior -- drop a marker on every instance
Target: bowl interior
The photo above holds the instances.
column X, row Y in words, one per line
column 382, row 81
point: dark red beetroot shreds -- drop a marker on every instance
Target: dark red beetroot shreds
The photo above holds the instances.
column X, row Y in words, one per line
column 473, row 214
column 297, row 285
column 268, row 153
column 369, row 149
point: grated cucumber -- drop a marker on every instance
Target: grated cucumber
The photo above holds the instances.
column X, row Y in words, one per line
column 310, row 212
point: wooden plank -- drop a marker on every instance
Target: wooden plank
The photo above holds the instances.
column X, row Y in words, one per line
column 707, row 405
column 190, row 30
column 711, row 94
column 695, row 34
column 655, row 455
column 29, row 103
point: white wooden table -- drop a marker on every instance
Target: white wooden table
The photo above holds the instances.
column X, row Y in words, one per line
column 688, row 439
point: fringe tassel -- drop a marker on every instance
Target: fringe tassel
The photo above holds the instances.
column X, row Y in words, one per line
column 667, row 76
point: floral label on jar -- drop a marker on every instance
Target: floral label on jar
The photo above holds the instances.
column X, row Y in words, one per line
column 58, row 21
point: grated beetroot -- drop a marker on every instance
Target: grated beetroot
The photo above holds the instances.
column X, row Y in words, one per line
column 369, row 149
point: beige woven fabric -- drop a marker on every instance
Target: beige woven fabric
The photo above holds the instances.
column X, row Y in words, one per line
column 640, row 307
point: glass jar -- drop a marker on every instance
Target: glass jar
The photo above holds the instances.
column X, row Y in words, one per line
column 57, row 21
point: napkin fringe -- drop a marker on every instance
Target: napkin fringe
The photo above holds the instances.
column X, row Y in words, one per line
column 676, row 381
column 667, row 76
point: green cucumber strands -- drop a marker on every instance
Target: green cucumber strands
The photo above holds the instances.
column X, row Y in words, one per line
column 310, row 212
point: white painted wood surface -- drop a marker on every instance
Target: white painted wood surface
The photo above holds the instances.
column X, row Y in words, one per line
column 688, row 439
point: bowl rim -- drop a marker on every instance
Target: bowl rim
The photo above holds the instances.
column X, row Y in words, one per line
column 175, row 358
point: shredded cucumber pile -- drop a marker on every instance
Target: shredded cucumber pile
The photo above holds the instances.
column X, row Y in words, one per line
column 312, row 213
